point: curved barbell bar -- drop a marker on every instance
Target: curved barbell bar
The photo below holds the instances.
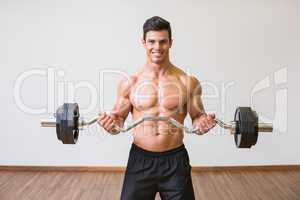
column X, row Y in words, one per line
column 262, row 127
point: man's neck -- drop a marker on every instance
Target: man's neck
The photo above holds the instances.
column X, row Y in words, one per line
column 157, row 70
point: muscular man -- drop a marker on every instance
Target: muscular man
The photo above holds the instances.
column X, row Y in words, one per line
column 158, row 160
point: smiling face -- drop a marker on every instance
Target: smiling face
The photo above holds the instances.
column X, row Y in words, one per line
column 157, row 45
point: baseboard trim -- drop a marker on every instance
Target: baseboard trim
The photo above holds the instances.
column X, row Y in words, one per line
column 122, row 169
column 246, row 168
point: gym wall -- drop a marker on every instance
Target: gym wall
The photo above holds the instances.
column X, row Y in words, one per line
column 244, row 53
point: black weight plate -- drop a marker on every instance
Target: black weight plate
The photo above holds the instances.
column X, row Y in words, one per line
column 75, row 122
column 69, row 123
column 246, row 127
column 59, row 116
column 64, row 124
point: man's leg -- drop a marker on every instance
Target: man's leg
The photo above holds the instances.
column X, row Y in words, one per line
column 140, row 182
column 175, row 177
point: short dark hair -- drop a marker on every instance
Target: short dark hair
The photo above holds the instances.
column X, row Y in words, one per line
column 156, row 23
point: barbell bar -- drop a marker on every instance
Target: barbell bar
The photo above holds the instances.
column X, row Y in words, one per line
column 245, row 126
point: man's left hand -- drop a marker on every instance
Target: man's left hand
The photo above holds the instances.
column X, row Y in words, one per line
column 204, row 123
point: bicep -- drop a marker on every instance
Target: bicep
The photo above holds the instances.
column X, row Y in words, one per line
column 195, row 105
column 123, row 105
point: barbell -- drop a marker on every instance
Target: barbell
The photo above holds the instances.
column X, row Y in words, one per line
column 244, row 127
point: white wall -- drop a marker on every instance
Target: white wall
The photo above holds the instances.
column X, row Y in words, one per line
column 239, row 44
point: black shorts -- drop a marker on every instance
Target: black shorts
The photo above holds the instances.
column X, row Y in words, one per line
column 168, row 173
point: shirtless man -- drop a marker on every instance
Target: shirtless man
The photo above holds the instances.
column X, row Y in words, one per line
column 158, row 160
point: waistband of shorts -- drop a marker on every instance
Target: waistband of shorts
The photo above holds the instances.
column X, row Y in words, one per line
column 142, row 151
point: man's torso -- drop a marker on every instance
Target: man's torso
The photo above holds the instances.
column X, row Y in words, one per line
column 159, row 96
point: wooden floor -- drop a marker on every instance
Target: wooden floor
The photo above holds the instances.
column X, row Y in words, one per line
column 219, row 185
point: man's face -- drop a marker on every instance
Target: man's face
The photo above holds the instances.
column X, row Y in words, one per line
column 157, row 45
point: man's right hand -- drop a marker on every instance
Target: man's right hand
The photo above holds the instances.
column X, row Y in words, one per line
column 108, row 122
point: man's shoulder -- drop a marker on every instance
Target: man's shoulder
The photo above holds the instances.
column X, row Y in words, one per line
column 129, row 79
column 126, row 83
column 187, row 79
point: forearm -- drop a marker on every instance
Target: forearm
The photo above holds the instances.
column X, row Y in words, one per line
column 119, row 121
